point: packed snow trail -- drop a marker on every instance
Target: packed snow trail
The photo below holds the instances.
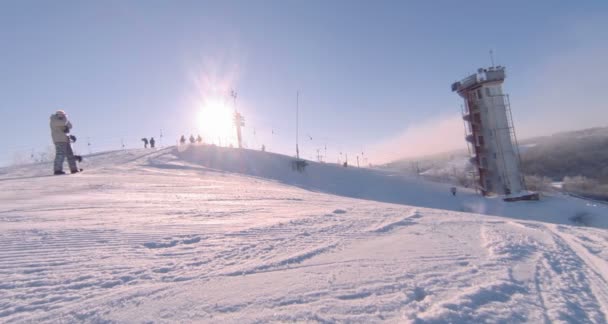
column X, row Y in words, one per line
column 144, row 236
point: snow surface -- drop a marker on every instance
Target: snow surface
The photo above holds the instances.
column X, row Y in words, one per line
column 207, row 234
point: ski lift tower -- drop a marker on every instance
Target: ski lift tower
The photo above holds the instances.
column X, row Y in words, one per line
column 490, row 134
column 238, row 120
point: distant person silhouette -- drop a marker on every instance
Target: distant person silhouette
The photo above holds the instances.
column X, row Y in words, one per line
column 152, row 142
column 199, row 139
column 182, row 140
column 192, row 139
column 145, row 140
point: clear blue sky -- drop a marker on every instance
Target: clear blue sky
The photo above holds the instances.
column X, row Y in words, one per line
column 369, row 72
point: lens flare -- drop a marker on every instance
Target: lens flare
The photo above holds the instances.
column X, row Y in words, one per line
column 215, row 122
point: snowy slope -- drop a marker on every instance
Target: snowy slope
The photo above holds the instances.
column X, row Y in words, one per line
column 389, row 187
column 218, row 235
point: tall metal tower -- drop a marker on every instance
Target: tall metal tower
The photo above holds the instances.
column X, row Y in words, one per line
column 298, row 164
column 238, row 119
column 490, row 132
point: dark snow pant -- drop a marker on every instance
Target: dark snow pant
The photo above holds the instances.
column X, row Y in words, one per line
column 63, row 150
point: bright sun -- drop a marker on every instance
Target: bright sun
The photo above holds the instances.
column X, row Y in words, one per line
column 215, row 122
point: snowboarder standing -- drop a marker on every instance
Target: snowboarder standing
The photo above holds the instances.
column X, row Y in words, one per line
column 182, row 140
column 60, row 129
column 191, row 139
column 145, row 140
column 152, row 142
column 199, row 139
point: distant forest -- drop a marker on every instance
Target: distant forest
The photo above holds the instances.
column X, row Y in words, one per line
column 580, row 153
column 578, row 159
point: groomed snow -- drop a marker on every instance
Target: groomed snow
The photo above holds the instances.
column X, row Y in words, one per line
column 205, row 234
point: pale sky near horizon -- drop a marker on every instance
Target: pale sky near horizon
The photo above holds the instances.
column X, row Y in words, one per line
column 373, row 76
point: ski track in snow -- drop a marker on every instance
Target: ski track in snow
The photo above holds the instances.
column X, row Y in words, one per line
column 144, row 236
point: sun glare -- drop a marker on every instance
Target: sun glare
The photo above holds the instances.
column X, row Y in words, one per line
column 215, row 122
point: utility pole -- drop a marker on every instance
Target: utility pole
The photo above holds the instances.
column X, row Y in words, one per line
column 297, row 124
column 89, row 144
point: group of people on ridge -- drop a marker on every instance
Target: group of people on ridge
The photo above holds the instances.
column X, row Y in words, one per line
column 151, row 141
column 193, row 140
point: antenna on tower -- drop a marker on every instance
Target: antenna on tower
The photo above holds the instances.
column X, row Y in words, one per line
column 492, row 57
column 233, row 94
column 239, row 121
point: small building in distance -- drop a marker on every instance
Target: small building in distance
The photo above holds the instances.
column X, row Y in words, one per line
column 490, row 133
